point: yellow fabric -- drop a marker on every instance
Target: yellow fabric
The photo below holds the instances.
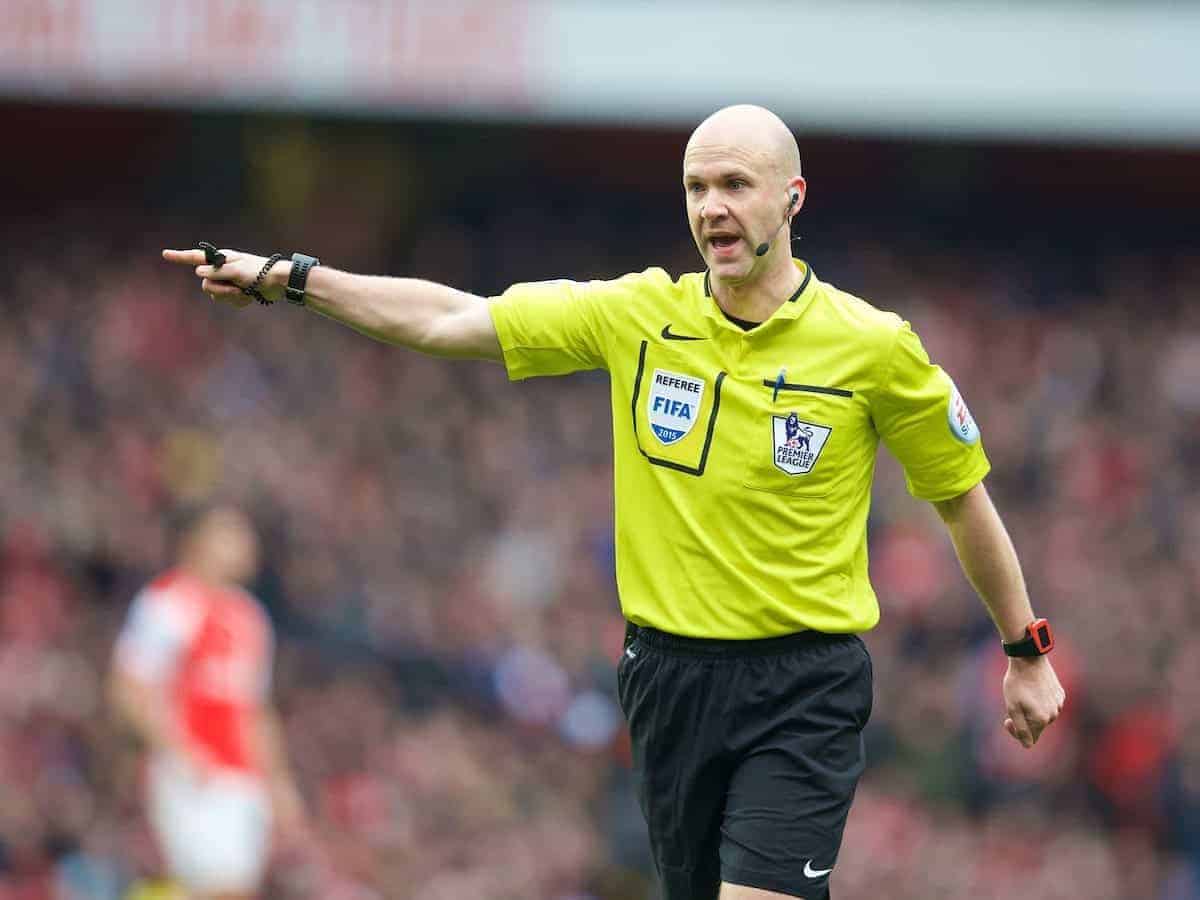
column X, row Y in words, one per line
column 155, row 890
column 731, row 521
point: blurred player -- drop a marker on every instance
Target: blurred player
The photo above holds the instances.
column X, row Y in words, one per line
column 191, row 675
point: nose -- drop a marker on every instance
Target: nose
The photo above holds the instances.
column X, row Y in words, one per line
column 713, row 208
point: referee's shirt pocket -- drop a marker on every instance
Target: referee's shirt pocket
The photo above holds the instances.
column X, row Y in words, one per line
column 803, row 438
column 676, row 403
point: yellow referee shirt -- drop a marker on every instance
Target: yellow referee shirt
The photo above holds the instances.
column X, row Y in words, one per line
column 743, row 459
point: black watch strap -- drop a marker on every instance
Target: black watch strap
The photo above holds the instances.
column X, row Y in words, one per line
column 302, row 264
column 1023, row 647
column 1038, row 640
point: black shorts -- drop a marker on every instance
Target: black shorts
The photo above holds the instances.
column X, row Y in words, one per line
column 746, row 756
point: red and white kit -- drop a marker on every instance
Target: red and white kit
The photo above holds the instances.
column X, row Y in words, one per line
column 210, row 650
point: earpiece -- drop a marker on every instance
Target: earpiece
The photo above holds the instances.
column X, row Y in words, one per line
column 761, row 249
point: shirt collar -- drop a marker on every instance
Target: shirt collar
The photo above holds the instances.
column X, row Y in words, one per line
column 792, row 308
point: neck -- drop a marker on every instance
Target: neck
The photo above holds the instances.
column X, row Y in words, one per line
column 756, row 299
column 199, row 569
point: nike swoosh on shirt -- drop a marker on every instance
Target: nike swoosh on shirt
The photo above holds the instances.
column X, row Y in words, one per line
column 671, row 336
column 810, row 872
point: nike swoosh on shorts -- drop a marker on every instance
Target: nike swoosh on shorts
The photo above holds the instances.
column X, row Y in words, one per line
column 810, row 872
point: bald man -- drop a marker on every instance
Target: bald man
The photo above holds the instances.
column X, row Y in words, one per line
column 741, row 548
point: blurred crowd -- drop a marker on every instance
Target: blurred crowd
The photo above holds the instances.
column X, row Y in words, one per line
column 439, row 567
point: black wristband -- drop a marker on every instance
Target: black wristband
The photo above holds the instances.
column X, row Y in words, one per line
column 1022, row 648
column 1038, row 641
column 302, row 264
column 253, row 290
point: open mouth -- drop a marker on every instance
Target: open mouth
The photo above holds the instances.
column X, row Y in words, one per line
column 723, row 241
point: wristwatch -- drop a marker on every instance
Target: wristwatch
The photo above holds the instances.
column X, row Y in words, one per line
column 298, row 277
column 1038, row 640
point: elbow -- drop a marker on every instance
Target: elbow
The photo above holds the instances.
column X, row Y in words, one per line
column 464, row 334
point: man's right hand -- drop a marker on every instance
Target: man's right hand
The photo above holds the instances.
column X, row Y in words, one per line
column 240, row 270
column 410, row 312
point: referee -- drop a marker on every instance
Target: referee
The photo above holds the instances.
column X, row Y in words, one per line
column 748, row 402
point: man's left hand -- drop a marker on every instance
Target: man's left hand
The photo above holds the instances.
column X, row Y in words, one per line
column 1033, row 698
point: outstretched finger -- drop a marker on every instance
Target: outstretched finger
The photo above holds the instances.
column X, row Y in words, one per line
column 184, row 257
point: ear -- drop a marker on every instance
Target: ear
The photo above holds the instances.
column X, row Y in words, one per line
column 797, row 188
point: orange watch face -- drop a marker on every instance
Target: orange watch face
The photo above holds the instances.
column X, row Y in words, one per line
column 1043, row 637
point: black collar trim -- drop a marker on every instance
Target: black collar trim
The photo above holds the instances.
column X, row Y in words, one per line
column 791, row 299
column 803, row 284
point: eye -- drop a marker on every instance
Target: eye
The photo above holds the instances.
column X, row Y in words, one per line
column 695, row 188
column 736, row 184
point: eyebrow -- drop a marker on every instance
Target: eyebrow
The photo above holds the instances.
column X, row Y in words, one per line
column 723, row 176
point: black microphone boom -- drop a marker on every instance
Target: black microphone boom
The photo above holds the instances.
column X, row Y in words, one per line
column 761, row 249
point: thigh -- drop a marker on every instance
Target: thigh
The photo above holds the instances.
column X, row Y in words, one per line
column 795, row 778
column 679, row 773
column 214, row 832
column 741, row 892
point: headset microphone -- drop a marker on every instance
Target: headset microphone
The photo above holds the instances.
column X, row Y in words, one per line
column 761, row 249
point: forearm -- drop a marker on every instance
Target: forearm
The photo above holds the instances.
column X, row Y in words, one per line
column 272, row 752
column 423, row 315
column 286, row 802
column 988, row 559
column 409, row 312
column 1033, row 697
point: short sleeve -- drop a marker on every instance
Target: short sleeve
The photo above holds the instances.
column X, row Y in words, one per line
column 924, row 421
column 154, row 635
column 552, row 327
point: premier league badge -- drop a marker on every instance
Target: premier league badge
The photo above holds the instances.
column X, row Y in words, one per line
column 673, row 404
column 797, row 443
column 962, row 423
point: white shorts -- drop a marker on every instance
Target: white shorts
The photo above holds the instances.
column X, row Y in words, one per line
column 214, row 832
